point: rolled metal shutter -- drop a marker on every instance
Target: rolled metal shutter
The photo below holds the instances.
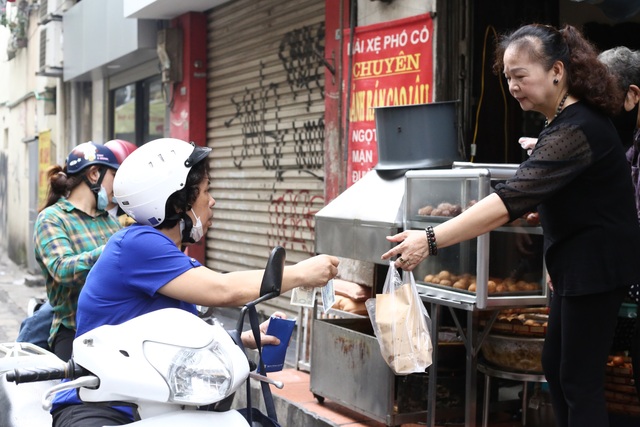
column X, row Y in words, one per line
column 265, row 118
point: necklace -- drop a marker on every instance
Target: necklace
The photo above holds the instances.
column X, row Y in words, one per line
column 559, row 109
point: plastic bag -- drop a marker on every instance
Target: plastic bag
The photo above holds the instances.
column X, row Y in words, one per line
column 401, row 324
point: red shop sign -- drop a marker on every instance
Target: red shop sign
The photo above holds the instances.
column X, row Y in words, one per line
column 392, row 64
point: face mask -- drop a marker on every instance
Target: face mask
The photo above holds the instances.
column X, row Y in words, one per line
column 113, row 212
column 196, row 231
column 103, row 200
column 625, row 124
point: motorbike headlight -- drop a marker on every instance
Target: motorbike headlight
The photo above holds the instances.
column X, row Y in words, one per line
column 197, row 376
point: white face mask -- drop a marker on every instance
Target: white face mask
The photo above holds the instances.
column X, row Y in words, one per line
column 196, row 231
column 113, row 212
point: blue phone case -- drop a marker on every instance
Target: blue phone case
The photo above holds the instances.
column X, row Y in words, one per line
column 273, row 356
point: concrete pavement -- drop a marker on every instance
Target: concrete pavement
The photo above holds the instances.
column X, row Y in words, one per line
column 17, row 287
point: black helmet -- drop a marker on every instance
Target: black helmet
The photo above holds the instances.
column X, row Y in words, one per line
column 90, row 153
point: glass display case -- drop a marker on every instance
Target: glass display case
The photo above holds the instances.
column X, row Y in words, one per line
column 502, row 268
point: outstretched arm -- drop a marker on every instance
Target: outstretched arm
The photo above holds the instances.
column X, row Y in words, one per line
column 486, row 215
column 204, row 286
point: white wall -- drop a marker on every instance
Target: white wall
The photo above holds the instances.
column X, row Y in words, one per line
column 99, row 111
column 22, row 117
column 372, row 12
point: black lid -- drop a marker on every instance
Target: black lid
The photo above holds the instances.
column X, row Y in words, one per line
column 418, row 136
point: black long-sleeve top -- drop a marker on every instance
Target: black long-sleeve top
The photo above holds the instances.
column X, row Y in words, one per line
column 579, row 180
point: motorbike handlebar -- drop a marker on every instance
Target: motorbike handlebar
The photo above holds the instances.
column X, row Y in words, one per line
column 27, row 375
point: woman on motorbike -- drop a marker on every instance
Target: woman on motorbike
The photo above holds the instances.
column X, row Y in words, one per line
column 164, row 186
column 71, row 231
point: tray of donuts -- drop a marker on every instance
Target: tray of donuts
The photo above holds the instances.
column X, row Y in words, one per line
column 620, row 391
column 466, row 283
column 530, row 321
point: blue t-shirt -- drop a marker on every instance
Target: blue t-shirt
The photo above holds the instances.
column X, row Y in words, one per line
column 124, row 282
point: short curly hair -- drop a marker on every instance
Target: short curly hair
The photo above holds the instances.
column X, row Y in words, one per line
column 587, row 78
column 183, row 199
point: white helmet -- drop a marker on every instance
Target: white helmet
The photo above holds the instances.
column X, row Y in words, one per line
column 152, row 173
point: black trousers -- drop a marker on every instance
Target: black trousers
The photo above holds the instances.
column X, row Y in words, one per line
column 88, row 416
column 62, row 345
column 635, row 353
column 579, row 336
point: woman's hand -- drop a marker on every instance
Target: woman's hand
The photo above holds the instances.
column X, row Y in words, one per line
column 315, row 271
column 249, row 341
column 411, row 251
column 528, row 143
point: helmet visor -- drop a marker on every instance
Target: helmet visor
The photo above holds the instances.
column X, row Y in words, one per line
column 198, row 154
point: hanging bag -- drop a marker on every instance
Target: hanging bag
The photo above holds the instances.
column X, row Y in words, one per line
column 401, row 324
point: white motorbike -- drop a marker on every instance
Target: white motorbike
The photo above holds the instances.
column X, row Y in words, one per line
column 172, row 367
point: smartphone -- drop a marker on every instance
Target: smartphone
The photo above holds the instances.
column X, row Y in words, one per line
column 273, row 356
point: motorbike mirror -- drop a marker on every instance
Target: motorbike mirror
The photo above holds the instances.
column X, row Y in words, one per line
column 272, row 279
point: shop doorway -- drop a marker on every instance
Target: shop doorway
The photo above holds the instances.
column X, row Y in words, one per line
column 497, row 120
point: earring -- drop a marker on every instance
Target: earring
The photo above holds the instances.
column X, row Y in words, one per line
column 555, row 81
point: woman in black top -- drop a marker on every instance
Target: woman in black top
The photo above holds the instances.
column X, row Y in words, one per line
column 577, row 178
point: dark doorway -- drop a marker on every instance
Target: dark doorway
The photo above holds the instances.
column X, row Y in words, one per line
column 497, row 120
column 606, row 36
